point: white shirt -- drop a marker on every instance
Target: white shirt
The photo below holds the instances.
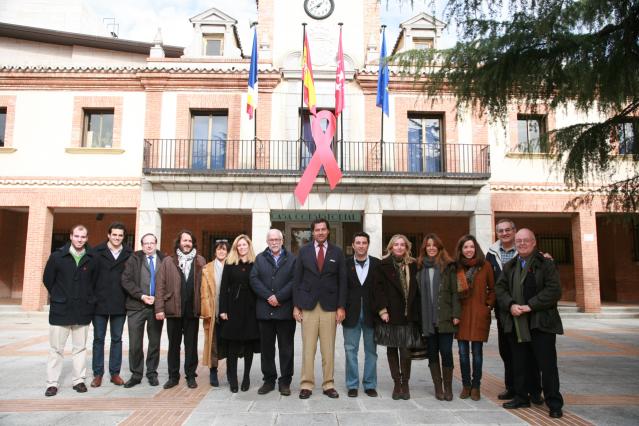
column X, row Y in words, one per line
column 362, row 270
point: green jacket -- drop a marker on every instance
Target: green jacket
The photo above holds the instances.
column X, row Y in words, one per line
column 544, row 315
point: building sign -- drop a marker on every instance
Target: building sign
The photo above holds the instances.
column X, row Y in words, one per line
column 309, row 216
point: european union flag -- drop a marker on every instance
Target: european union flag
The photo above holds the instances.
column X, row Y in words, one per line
column 382, row 81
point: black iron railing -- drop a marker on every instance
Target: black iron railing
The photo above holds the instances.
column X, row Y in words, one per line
column 276, row 157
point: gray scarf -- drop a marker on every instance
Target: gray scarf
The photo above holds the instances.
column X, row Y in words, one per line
column 429, row 291
column 185, row 261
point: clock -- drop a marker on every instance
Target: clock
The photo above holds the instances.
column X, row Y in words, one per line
column 319, row 9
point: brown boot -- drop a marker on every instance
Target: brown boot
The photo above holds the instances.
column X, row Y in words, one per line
column 96, row 382
column 405, row 364
column 393, row 365
column 448, row 383
column 436, row 374
column 474, row 394
column 465, row 393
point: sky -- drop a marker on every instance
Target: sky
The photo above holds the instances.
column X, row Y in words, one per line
column 140, row 19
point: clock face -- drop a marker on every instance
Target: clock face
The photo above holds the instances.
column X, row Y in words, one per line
column 319, row 9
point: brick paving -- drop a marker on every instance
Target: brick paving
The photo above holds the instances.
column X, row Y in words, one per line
column 597, row 358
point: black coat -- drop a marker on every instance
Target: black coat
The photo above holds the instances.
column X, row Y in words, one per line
column 327, row 287
column 71, row 287
column 110, row 296
column 388, row 293
column 358, row 292
column 237, row 300
column 268, row 280
column 136, row 279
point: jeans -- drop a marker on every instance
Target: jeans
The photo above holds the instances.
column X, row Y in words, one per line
column 440, row 343
column 464, row 362
column 351, row 348
column 115, row 352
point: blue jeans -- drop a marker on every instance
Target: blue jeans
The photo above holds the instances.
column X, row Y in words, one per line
column 351, row 348
column 440, row 343
column 464, row 362
column 115, row 353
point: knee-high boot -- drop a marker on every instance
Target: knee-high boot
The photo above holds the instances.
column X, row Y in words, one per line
column 405, row 364
column 231, row 372
column 448, row 383
column 393, row 365
column 246, row 379
column 436, row 374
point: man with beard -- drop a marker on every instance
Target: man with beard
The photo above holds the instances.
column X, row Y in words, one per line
column 177, row 299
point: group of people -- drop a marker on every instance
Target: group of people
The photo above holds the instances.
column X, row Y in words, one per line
column 250, row 303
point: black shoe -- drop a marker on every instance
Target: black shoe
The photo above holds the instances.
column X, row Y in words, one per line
column 51, row 391
column 506, row 395
column 153, row 381
column 352, row 393
column 285, row 390
column 516, row 403
column 556, row 413
column 246, row 384
column 191, row 383
column 371, row 392
column 536, row 399
column 213, row 378
column 266, row 388
column 233, row 386
column 171, row 383
column 132, row 382
column 80, row 388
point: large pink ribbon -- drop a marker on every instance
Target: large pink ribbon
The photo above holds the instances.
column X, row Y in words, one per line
column 323, row 156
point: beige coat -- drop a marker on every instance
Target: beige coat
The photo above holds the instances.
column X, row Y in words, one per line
column 208, row 294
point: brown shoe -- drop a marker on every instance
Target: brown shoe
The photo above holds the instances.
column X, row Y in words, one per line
column 331, row 393
column 51, row 391
column 117, row 380
column 474, row 394
column 305, row 393
column 465, row 393
column 96, row 382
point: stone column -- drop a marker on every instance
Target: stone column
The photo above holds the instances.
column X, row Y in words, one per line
column 149, row 221
column 586, row 262
column 481, row 226
column 373, row 226
column 261, row 223
column 39, row 231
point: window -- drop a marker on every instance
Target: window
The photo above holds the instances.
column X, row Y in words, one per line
column 624, row 136
column 558, row 246
column 308, row 143
column 3, row 124
column 98, row 128
column 213, row 45
column 423, row 43
column 209, row 133
column 530, row 128
column 425, row 143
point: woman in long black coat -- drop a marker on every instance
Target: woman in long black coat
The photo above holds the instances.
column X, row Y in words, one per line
column 239, row 333
column 397, row 304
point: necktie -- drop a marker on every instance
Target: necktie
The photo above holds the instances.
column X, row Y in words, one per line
column 523, row 264
column 152, row 268
column 320, row 257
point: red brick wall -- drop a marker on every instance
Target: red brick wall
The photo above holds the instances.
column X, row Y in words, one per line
column 618, row 272
column 13, row 228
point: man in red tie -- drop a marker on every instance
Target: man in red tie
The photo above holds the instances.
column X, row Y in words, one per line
column 319, row 299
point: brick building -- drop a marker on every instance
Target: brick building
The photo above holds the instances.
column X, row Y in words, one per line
column 96, row 128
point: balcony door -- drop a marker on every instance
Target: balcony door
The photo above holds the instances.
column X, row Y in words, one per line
column 425, row 144
column 209, row 130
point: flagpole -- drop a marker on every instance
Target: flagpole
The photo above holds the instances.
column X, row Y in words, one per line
column 255, row 114
column 302, row 99
column 341, row 115
column 381, row 139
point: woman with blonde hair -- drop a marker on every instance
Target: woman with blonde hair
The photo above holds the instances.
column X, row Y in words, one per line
column 440, row 311
column 239, row 334
column 397, row 304
column 210, row 294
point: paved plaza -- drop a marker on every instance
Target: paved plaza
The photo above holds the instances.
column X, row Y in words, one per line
column 598, row 361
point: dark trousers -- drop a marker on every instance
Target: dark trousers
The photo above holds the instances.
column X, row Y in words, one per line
column 136, row 321
column 284, row 332
column 176, row 328
column 506, row 356
column 116, row 326
column 465, row 347
column 440, row 343
column 539, row 354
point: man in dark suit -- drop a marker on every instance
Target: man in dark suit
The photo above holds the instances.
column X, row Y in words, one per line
column 528, row 291
column 319, row 298
column 359, row 317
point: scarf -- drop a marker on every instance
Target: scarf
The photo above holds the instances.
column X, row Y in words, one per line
column 465, row 277
column 77, row 255
column 185, row 261
column 429, row 291
column 219, row 268
column 522, row 325
column 402, row 271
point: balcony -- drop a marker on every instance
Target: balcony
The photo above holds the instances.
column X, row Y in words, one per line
column 290, row 157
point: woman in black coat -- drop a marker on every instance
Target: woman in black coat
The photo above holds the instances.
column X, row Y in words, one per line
column 239, row 333
column 397, row 303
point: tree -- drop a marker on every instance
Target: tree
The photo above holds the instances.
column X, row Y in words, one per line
column 583, row 53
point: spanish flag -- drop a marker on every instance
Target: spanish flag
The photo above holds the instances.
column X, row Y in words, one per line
column 307, row 77
column 251, row 95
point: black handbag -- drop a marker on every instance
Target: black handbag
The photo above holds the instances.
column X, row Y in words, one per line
column 419, row 352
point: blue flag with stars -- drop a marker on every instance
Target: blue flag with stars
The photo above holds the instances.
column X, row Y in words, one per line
column 382, row 81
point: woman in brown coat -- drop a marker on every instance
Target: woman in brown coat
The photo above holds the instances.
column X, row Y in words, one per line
column 397, row 303
column 476, row 288
column 211, row 282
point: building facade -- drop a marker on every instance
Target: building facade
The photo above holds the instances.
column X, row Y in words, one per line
column 98, row 128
